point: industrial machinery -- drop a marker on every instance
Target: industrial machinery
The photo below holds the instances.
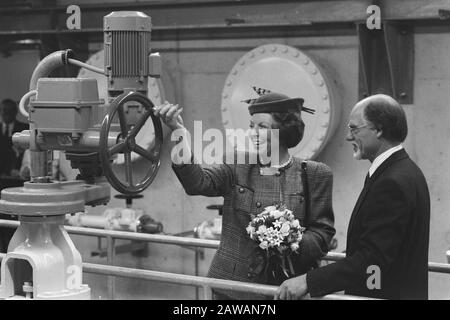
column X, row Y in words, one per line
column 156, row 92
column 128, row 218
column 66, row 114
column 121, row 219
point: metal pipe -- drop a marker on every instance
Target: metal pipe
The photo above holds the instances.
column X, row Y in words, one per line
column 203, row 243
column 157, row 238
column 432, row 266
column 438, row 267
column 39, row 166
column 110, row 250
column 197, row 294
column 207, row 293
column 183, row 279
column 99, row 244
column 199, row 30
column 48, row 64
column 85, row 220
column 86, row 66
column 147, row 5
column 334, row 256
column 90, row 140
column 24, row 99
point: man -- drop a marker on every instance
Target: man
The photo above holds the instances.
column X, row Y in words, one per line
column 10, row 156
column 10, row 159
column 388, row 233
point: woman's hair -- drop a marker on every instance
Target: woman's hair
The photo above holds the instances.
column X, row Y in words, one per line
column 291, row 128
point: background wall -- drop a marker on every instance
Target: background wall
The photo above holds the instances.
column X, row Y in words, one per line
column 194, row 75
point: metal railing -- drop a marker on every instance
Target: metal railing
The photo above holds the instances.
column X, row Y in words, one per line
column 432, row 266
column 206, row 283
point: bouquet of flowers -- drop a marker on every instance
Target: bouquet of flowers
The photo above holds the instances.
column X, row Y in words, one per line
column 278, row 234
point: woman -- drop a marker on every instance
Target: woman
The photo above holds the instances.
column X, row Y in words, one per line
column 249, row 188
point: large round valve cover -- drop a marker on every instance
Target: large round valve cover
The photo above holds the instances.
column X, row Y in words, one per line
column 283, row 69
column 155, row 93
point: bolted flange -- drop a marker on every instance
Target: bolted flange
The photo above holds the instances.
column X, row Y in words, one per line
column 50, row 199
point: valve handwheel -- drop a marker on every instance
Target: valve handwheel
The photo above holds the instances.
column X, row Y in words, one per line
column 126, row 143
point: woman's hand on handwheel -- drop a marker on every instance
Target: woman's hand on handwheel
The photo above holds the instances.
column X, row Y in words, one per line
column 170, row 115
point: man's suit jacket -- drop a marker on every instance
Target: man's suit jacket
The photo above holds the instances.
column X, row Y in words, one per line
column 9, row 159
column 389, row 228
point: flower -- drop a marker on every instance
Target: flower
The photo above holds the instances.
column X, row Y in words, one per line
column 263, row 245
column 294, row 246
column 277, row 242
column 285, row 228
column 269, row 209
column 262, row 229
column 277, row 223
column 276, row 214
column 276, row 228
column 277, row 233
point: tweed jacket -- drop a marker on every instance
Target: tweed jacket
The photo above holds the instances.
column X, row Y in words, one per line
column 246, row 192
column 389, row 229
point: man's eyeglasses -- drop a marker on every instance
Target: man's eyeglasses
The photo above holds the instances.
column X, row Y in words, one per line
column 355, row 129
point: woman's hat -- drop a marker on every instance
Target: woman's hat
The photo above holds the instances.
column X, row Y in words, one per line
column 269, row 102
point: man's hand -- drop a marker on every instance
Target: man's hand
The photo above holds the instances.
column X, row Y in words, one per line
column 292, row 289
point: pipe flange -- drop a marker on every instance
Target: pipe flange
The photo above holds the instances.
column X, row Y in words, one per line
column 66, row 55
column 51, row 199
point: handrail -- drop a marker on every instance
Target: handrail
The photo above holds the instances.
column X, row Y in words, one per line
column 126, row 235
column 206, row 283
column 184, row 241
column 432, row 266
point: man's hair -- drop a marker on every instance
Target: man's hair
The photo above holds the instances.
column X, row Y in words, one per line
column 9, row 105
column 291, row 128
column 387, row 114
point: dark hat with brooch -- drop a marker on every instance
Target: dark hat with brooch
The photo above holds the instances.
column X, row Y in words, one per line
column 268, row 102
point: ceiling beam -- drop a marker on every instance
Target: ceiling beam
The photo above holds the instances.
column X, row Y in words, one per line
column 219, row 15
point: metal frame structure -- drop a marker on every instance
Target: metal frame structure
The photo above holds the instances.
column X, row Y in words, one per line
column 386, row 59
column 386, row 56
column 217, row 15
column 206, row 283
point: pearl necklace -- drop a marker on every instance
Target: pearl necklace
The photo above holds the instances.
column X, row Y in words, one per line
column 274, row 170
column 284, row 164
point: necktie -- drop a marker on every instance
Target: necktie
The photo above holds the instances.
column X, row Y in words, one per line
column 7, row 129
